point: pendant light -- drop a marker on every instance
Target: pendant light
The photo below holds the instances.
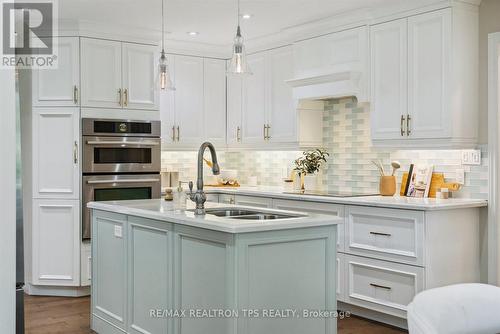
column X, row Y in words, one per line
column 165, row 79
column 238, row 63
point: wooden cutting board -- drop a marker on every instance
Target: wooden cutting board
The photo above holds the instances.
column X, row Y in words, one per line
column 437, row 182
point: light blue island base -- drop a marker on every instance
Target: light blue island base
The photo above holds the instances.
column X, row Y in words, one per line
column 155, row 276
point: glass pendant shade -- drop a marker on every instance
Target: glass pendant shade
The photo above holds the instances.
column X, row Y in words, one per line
column 165, row 79
column 238, row 63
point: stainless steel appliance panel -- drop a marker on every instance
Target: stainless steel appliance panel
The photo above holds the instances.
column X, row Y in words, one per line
column 122, row 128
column 121, row 154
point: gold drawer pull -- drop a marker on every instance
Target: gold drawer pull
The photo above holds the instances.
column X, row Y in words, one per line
column 380, row 233
column 380, row 286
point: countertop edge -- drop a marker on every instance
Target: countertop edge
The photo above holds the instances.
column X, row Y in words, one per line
column 371, row 201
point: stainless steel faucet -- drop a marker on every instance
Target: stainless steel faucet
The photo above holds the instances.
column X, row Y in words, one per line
column 199, row 196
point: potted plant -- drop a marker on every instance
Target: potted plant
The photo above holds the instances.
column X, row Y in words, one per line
column 308, row 165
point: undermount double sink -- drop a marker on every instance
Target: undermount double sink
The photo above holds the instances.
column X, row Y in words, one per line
column 248, row 214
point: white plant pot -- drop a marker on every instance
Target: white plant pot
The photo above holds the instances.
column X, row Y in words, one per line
column 311, row 182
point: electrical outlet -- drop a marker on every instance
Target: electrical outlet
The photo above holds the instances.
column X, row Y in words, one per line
column 118, row 231
column 471, row 157
column 460, row 176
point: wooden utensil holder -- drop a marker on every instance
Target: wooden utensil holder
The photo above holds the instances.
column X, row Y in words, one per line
column 387, row 185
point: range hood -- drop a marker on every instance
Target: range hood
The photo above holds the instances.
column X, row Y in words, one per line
column 345, row 81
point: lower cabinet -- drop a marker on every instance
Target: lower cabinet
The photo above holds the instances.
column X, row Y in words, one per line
column 56, row 242
column 382, row 286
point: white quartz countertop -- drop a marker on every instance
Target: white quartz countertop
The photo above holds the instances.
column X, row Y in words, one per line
column 159, row 209
column 397, row 202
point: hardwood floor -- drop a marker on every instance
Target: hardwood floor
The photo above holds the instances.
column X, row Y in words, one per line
column 60, row 315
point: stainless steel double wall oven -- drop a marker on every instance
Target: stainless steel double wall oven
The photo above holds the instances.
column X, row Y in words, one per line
column 121, row 161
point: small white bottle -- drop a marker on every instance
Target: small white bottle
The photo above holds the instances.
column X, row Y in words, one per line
column 180, row 197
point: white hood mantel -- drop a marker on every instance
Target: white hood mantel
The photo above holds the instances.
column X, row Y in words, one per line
column 335, row 84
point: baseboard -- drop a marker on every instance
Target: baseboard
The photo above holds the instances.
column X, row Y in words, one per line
column 373, row 315
column 57, row 291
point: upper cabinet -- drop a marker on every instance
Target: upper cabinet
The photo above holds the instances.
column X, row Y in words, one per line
column 118, row 75
column 61, row 86
column 196, row 110
column 262, row 113
column 424, row 80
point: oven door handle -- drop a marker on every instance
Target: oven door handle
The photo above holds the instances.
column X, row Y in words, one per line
column 123, row 143
column 122, row 181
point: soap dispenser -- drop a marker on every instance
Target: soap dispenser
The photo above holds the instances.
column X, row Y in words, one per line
column 180, row 197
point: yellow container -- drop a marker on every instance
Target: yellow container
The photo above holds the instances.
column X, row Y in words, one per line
column 387, row 185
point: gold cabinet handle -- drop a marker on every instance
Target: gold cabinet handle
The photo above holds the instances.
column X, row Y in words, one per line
column 265, row 135
column 120, row 97
column 268, row 136
column 231, row 200
column 75, row 94
column 408, row 128
column 402, row 126
column 178, row 133
column 381, row 286
column 173, row 133
column 238, row 134
column 125, row 99
column 75, row 152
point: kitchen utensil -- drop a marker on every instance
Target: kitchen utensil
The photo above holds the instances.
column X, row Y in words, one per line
column 395, row 166
column 379, row 166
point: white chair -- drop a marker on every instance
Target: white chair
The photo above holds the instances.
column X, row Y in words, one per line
column 458, row 309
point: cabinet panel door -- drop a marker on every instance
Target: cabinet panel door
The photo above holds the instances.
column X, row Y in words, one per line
column 56, row 142
column 149, row 287
column 139, row 76
column 254, row 101
column 282, row 117
column 59, row 87
column 101, row 69
column 234, row 109
column 109, row 268
column 429, row 64
column 389, row 79
column 56, row 242
column 215, row 101
column 167, row 108
column 189, row 100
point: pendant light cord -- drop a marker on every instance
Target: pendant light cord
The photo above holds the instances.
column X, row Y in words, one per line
column 162, row 26
column 238, row 13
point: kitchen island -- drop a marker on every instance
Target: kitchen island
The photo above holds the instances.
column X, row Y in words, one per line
column 159, row 269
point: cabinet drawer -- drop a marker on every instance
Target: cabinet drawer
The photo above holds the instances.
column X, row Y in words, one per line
column 314, row 207
column 388, row 234
column 214, row 198
column 382, row 286
column 226, row 199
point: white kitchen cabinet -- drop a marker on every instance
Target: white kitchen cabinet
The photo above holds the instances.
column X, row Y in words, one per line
column 189, row 118
column 421, row 67
column 139, row 70
column 389, row 79
column 282, row 115
column 234, row 109
column 118, row 75
column 214, row 93
column 261, row 110
column 382, row 286
column 56, row 152
column 101, row 73
column 60, row 86
column 254, row 120
column 56, row 242
column 196, row 110
column 429, row 69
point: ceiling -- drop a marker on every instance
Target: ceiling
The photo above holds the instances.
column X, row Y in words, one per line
column 215, row 20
